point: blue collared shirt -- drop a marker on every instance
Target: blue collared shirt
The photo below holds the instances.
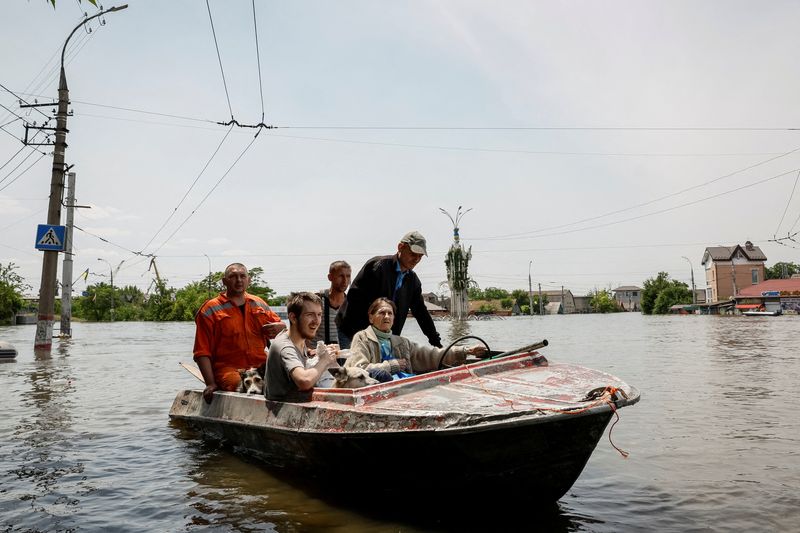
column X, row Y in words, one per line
column 400, row 276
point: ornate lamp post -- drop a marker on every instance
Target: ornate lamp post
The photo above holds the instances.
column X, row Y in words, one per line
column 457, row 262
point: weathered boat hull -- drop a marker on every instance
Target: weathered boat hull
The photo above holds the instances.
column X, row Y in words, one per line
column 486, row 427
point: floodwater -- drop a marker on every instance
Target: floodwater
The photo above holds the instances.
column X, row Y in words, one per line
column 86, row 443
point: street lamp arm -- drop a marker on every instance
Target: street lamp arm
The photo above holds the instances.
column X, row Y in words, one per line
column 103, row 12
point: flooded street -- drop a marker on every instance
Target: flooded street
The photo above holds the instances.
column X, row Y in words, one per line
column 714, row 442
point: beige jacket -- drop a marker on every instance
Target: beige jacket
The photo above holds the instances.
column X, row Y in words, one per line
column 365, row 352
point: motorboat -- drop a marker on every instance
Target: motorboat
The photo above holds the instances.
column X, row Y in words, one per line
column 508, row 423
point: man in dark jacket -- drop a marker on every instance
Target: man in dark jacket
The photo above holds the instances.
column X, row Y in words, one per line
column 392, row 277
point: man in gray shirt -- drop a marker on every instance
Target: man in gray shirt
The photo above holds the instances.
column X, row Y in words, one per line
column 289, row 375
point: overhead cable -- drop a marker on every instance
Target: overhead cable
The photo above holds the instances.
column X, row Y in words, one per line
column 209, row 192
column 643, row 204
column 175, row 210
column 258, row 59
column 789, row 201
column 219, row 57
column 645, row 215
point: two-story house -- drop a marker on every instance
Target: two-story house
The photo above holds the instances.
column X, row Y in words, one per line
column 732, row 268
column 628, row 297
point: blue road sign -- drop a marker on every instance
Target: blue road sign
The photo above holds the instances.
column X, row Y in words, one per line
column 49, row 237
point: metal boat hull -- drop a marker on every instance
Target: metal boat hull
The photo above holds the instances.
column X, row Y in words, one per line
column 502, row 429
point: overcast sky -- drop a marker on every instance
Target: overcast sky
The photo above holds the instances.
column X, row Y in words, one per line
column 603, row 141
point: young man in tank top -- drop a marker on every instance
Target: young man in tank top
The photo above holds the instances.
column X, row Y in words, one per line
column 332, row 299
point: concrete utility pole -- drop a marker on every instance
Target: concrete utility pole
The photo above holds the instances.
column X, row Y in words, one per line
column 111, row 269
column 541, row 303
column 47, row 287
column 691, row 270
column 66, row 269
column 209, row 276
column 530, row 289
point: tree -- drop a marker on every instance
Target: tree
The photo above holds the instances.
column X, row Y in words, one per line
column 777, row 270
column 12, row 285
column 257, row 287
column 97, row 305
column 603, row 301
column 494, row 293
column 652, row 287
column 475, row 293
column 674, row 292
column 677, row 293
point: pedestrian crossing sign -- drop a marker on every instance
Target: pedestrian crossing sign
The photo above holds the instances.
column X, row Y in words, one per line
column 49, row 237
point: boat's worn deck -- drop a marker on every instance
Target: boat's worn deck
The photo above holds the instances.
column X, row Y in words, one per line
column 505, row 391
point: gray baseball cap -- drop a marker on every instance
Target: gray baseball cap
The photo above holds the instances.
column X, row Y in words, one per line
column 415, row 241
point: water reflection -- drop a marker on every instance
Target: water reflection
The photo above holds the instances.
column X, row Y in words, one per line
column 43, row 469
column 240, row 493
column 458, row 328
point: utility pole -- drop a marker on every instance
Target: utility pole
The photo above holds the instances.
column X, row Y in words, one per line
column 66, row 269
column 541, row 303
column 530, row 289
column 47, row 287
column 691, row 270
column 209, row 276
column 110, row 269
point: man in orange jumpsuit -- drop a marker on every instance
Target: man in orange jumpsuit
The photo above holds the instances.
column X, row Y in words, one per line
column 231, row 333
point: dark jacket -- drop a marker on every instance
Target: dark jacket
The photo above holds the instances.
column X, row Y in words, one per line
column 377, row 278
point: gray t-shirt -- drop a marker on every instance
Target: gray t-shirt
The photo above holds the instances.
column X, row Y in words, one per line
column 282, row 359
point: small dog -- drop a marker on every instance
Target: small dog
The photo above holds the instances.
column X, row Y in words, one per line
column 351, row 377
column 252, row 380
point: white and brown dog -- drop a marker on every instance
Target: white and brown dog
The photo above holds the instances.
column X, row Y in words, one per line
column 351, row 377
column 252, row 380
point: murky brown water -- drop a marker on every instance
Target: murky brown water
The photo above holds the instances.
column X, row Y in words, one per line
column 715, row 441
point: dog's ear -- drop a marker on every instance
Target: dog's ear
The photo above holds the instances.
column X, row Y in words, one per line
column 338, row 372
column 262, row 370
column 242, row 373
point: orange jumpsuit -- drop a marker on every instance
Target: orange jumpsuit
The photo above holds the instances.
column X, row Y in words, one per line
column 232, row 339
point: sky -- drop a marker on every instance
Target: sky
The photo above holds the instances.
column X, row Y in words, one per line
column 596, row 143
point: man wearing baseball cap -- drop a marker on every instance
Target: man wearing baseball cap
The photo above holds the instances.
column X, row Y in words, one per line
column 393, row 277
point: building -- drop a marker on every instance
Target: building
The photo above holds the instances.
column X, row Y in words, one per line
column 729, row 269
column 582, row 304
column 628, row 297
column 567, row 306
column 772, row 295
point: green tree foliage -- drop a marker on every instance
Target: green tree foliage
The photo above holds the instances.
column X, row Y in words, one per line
column 602, row 301
column 258, row 287
column 678, row 293
column 475, row 293
column 507, row 303
column 96, row 306
column 11, row 288
column 777, row 270
column 494, row 293
column 164, row 303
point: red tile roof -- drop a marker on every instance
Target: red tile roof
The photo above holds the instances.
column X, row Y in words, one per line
column 792, row 284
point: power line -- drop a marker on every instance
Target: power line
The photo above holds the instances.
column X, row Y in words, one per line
column 515, row 151
column 11, row 159
column 7, row 185
column 258, row 58
column 175, row 210
column 649, row 202
column 219, row 57
column 209, row 192
column 536, row 128
column 665, row 210
column 789, row 201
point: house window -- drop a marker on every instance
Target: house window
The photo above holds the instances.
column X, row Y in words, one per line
column 635, row 293
column 754, row 276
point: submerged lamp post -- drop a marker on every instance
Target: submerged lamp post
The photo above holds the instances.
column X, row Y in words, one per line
column 457, row 263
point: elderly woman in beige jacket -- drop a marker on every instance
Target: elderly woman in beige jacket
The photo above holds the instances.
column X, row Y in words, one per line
column 386, row 356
